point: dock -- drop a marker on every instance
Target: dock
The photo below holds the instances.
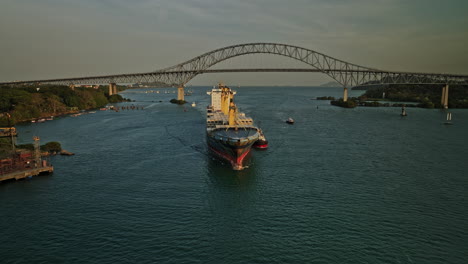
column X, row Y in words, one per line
column 17, row 175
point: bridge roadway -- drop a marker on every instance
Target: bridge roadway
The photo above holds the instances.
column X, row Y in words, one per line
column 431, row 78
column 67, row 81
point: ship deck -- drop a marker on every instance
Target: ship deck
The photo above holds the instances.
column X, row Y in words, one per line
column 235, row 134
column 218, row 119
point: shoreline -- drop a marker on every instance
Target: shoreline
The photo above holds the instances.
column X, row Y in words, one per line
column 372, row 102
column 47, row 116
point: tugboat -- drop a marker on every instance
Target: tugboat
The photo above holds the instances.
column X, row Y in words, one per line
column 290, row 121
column 230, row 134
column 261, row 143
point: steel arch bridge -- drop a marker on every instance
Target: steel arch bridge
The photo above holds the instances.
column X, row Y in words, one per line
column 345, row 73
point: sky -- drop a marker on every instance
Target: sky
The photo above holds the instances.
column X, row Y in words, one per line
column 43, row 39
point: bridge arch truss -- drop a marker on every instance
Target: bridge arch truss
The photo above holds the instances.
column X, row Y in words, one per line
column 345, row 73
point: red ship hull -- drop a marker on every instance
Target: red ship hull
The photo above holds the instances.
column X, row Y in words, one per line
column 265, row 146
column 232, row 145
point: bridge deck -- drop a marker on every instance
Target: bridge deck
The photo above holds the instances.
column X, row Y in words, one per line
column 396, row 77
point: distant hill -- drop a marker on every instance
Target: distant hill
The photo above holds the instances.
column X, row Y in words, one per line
column 26, row 102
column 369, row 86
column 331, row 84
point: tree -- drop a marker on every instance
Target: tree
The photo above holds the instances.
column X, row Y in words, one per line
column 53, row 146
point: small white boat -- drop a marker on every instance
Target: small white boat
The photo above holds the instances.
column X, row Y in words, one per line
column 194, row 104
column 290, row 121
column 449, row 119
column 403, row 111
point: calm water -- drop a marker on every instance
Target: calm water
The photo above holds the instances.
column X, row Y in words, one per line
column 341, row 185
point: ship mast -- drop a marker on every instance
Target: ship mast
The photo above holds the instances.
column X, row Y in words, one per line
column 232, row 114
column 225, row 99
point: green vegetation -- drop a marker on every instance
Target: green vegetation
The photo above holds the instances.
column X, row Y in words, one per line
column 424, row 96
column 378, row 104
column 351, row 103
column 326, row 98
column 29, row 147
column 26, row 102
column 175, row 101
column 53, row 146
column 116, row 98
column 428, row 96
column 6, row 148
column 373, row 104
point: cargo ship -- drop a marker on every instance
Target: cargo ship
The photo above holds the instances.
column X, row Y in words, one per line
column 230, row 133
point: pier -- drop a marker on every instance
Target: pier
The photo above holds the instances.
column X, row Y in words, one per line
column 17, row 175
column 24, row 164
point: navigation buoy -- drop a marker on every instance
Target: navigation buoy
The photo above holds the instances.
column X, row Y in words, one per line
column 403, row 111
column 449, row 119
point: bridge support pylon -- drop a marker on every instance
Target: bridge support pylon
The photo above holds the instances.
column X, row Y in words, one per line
column 345, row 94
column 112, row 89
column 180, row 93
column 444, row 98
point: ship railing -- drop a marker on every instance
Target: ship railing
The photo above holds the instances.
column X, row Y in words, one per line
column 243, row 124
column 226, row 127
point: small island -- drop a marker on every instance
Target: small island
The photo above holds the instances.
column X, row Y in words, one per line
column 331, row 84
column 180, row 102
column 350, row 103
column 325, row 98
column 397, row 95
